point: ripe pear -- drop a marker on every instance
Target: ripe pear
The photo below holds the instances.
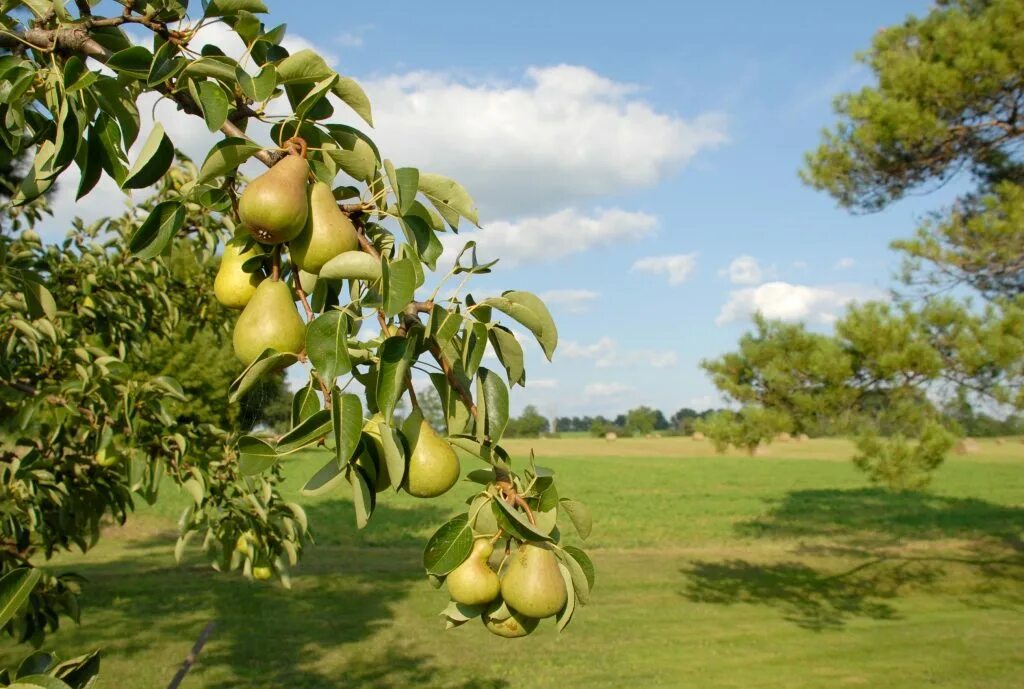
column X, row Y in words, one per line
column 513, row 627
column 234, row 287
column 328, row 232
column 433, row 465
column 274, row 206
column 532, row 582
column 474, row 582
column 269, row 320
column 261, row 573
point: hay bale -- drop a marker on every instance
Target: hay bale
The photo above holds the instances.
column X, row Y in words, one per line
column 611, row 435
column 783, row 437
column 759, row 451
column 698, row 436
column 803, row 438
column 1000, row 441
column 966, row 446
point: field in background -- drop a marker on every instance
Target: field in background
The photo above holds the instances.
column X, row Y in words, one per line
column 713, row 571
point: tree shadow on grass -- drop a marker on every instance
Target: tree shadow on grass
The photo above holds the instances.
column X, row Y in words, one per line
column 266, row 636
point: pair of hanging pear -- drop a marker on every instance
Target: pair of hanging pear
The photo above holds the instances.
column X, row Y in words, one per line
column 531, row 586
column 280, row 207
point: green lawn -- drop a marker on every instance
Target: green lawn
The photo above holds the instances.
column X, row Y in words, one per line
column 778, row 571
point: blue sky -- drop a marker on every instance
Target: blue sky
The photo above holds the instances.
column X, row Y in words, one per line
column 624, row 158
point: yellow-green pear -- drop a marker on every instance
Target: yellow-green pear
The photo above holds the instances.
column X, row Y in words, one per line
column 261, row 572
column 274, row 206
column 433, row 465
column 532, row 583
column 234, row 287
column 514, row 626
column 269, row 320
column 373, row 430
column 474, row 582
column 328, row 232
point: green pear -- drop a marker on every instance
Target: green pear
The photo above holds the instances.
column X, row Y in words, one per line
column 532, row 582
column 234, row 287
column 513, row 627
column 474, row 582
column 269, row 320
column 274, row 206
column 381, row 470
column 328, row 232
column 433, row 465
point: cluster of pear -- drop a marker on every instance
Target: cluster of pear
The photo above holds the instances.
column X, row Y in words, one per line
column 279, row 207
column 530, row 586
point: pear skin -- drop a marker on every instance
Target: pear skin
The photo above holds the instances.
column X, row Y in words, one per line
column 328, row 232
column 269, row 320
column 532, row 583
column 373, row 430
column 433, row 465
column 513, row 627
column 234, row 287
column 274, row 206
column 474, row 582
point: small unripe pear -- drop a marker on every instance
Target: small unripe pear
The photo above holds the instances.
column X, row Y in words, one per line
column 274, row 206
column 269, row 320
column 433, row 465
column 261, row 573
column 328, row 232
column 513, row 627
column 532, row 582
column 234, row 287
column 474, row 582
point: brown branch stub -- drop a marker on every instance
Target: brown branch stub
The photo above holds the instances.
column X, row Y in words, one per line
column 453, row 380
column 193, row 655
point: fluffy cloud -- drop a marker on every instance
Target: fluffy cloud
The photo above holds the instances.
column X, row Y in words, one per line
column 559, row 135
column 679, row 267
column 606, row 353
column 542, row 384
column 789, row 302
column 572, row 300
column 605, row 389
column 554, row 236
column 744, row 270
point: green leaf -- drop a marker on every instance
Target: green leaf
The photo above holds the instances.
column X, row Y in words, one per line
column 565, row 616
column 327, row 346
column 347, row 411
column 69, row 136
column 306, row 433
column 107, row 133
column 221, row 8
column 362, row 497
column 15, row 588
column 303, row 67
column 134, row 62
column 166, row 64
column 421, row 235
column 225, row 157
column 352, row 265
column 495, row 394
column 325, row 479
column 215, row 104
column 155, row 234
column 315, row 96
column 254, row 455
column 40, row 681
column 449, row 546
column 530, row 311
column 153, row 162
column 516, row 523
column 38, row 300
column 115, row 101
column 219, row 67
column 399, row 284
column 583, row 566
column 580, row 516
column 394, row 456
column 396, row 354
column 260, row 87
column 449, row 197
column 305, row 403
column 353, row 96
column 89, row 161
column 509, row 353
column 267, row 362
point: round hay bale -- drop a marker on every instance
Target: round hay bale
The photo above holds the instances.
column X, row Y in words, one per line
column 966, row 446
column 783, row 437
column 803, row 438
column 611, row 435
column 1000, row 441
column 760, row 451
column 698, row 436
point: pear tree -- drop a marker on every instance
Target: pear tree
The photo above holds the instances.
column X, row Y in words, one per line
column 330, row 236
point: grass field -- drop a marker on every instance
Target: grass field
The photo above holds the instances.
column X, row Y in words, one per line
column 713, row 571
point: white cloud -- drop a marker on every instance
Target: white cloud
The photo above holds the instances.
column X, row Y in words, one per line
column 542, row 384
column 572, row 300
column 679, row 267
column 559, row 135
column 788, row 302
column 553, row 236
column 605, row 389
column 744, row 270
column 845, row 263
column 606, row 353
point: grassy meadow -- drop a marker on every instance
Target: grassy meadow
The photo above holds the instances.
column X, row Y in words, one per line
column 713, row 571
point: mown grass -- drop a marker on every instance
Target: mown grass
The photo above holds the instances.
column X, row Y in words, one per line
column 713, row 571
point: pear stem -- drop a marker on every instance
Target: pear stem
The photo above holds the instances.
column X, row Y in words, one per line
column 513, row 497
column 412, row 393
column 275, row 263
column 298, row 141
column 302, row 299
